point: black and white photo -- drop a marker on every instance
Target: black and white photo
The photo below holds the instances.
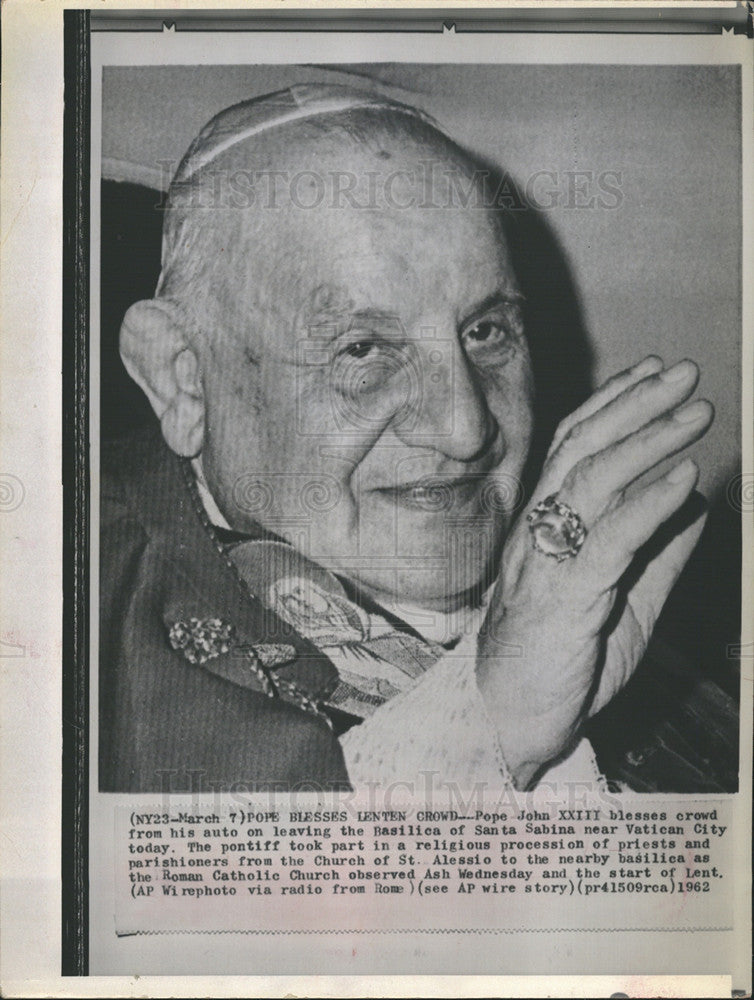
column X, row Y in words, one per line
column 379, row 517
column 376, row 500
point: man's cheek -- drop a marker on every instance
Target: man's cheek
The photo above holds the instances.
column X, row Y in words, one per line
column 329, row 537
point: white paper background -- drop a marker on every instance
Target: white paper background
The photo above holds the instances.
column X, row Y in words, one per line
column 31, row 593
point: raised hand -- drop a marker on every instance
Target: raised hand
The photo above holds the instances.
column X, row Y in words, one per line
column 582, row 624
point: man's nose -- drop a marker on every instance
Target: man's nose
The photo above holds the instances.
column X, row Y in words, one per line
column 449, row 410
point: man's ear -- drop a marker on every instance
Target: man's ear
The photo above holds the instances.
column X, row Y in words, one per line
column 158, row 358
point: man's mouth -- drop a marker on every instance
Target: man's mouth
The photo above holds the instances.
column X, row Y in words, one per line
column 435, row 495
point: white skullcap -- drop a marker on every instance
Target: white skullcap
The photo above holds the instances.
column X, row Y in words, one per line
column 249, row 118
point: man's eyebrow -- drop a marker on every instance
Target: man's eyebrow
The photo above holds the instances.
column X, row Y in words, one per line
column 330, row 322
column 502, row 297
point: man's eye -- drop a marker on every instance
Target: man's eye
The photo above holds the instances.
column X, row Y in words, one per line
column 367, row 366
column 359, row 350
column 486, row 332
column 497, row 331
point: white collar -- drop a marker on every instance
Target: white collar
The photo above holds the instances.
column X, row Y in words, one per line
column 208, row 501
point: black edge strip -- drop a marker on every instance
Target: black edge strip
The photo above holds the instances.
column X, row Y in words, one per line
column 75, row 471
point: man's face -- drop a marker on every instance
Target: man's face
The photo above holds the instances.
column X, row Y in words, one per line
column 376, row 408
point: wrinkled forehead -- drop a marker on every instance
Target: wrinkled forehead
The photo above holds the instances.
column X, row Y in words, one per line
column 365, row 222
column 410, row 229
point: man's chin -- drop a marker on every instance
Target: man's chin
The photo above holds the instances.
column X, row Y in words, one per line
column 432, row 589
column 442, row 569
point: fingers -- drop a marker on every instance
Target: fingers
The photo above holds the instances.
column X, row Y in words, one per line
column 636, row 406
column 596, row 483
column 634, row 422
column 607, row 392
column 614, row 540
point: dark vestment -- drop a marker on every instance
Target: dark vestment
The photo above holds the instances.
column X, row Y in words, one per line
column 166, row 723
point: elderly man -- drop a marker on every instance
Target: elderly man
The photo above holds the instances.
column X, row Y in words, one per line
column 315, row 578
